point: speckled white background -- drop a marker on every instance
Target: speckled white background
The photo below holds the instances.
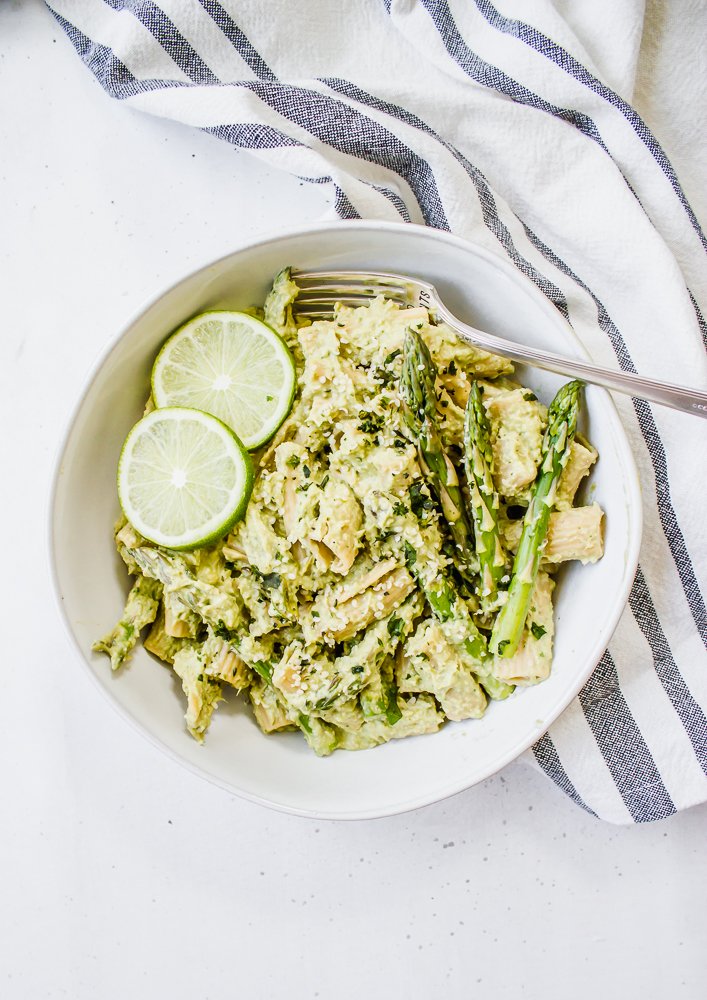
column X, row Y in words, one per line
column 122, row 875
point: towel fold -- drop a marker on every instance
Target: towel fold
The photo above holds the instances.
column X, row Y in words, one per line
column 508, row 124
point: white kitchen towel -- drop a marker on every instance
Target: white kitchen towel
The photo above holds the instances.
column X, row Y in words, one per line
column 507, row 123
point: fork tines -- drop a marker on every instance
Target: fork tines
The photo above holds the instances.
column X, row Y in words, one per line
column 321, row 291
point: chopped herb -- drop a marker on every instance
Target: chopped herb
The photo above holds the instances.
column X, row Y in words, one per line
column 306, row 471
column 292, row 461
column 356, row 670
column 410, row 554
column 399, row 508
column 420, row 501
column 324, row 481
column 537, row 630
column 223, row 632
column 371, row 423
column 269, row 398
column 391, row 357
column 395, row 626
column 271, row 579
column 452, row 369
column 384, row 377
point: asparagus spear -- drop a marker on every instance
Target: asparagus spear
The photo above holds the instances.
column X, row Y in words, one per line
column 478, row 462
column 562, row 422
column 418, row 391
column 457, row 624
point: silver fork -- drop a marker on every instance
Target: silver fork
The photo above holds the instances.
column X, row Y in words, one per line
column 320, row 291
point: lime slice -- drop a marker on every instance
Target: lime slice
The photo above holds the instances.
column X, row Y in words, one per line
column 231, row 365
column 184, row 478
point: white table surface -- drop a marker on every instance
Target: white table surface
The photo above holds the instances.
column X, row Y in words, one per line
column 122, row 875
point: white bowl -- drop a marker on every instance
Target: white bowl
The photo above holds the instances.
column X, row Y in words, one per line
column 281, row 771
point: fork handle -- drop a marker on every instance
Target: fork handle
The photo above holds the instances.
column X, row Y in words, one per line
column 665, row 393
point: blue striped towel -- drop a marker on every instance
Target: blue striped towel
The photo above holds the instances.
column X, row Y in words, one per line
column 501, row 128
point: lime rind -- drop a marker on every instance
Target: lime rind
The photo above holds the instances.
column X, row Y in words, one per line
column 214, row 478
column 231, row 365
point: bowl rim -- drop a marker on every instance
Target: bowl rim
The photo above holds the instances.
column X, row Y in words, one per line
column 632, row 485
